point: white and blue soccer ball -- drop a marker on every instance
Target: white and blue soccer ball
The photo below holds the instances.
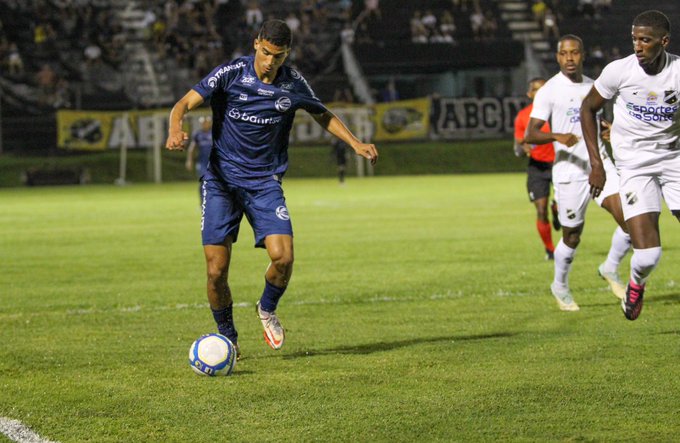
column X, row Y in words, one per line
column 212, row 354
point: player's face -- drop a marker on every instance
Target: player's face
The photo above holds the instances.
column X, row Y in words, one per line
column 269, row 57
column 648, row 44
column 570, row 57
column 534, row 87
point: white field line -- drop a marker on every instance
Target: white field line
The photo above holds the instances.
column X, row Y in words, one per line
column 18, row 432
column 449, row 295
column 182, row 306
column 334, row 301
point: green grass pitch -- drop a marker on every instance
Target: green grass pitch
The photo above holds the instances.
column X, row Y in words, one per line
column 419, row 310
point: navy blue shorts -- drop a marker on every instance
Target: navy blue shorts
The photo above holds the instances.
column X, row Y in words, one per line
column 224, row 206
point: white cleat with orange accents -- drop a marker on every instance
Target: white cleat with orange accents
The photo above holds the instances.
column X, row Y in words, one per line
column 274, row 334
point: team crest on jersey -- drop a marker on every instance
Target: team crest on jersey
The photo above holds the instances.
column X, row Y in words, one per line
column 247, row 79
column 282, row 104
column 670, row 97
column 282, row 213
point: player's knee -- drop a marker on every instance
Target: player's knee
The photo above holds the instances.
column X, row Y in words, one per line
column 572, row 239
column 216, row 269
column 283, row 261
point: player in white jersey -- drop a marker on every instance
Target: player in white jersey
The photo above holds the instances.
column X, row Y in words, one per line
column 646, row 89
column 560, row 100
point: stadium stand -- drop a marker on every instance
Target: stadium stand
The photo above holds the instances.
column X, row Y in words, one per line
column 116, row 54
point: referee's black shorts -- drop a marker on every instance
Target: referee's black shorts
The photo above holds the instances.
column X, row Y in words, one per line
column 539, row 177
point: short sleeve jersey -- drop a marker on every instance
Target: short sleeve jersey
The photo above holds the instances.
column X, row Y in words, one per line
column 560, row 101
column 646, row 123
column 204, row 141
column 252, row 120
column 543, row 153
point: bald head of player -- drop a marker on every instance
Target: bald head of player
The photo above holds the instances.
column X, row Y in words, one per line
column 272, row 47
column 651, row 34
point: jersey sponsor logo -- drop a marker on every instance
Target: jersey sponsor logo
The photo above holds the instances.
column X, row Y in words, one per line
column 265, row 92
column 574, row 115
column 237, row 115
column 247, row 79
column 212, row 81
column 652, row 98
column 243, row 97
column 670, row 97
column 282, row 213
column 648, row 113
column 283, row 104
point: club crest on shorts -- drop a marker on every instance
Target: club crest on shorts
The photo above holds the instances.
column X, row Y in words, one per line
column 670, row 96
column 571, row 214
column 282, row 213
column 631, row 198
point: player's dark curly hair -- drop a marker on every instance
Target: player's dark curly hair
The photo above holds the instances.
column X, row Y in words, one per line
column 276, row 32
column 654, row 19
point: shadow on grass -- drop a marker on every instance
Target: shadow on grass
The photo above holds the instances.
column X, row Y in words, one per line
column 370, row 348
column 661, row 299
column 665, row 299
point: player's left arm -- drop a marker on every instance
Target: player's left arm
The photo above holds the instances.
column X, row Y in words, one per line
column 591, row 105
column 331, row 123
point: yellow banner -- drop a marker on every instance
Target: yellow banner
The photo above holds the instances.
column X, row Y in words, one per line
column 100, row 130
column 402, row 120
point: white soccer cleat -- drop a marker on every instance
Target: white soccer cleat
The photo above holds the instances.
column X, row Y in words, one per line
column 274, row 334
column 615, row 283
column 564, row 298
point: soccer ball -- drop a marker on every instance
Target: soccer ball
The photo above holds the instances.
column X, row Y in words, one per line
column 212, row 354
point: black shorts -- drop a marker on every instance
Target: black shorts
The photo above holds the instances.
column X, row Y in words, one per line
column 539, row 178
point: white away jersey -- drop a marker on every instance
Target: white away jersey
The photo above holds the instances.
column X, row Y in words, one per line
column 559, row 101
column 646, row 126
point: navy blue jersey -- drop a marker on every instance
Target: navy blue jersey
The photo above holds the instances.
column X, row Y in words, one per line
column 252, row 120
column 204, row 141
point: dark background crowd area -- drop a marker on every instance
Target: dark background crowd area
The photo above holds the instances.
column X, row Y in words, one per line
column 114, row 54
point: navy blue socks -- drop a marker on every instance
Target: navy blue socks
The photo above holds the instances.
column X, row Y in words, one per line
column 225, row 322
column 270, row 296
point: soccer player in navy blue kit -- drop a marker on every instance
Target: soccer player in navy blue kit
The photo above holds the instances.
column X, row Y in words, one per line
column 253, row 100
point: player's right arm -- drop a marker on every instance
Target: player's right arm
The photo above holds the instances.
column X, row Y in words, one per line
column 591, row 105
column 177, row 137
column 541, row 112
column 535, row 136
